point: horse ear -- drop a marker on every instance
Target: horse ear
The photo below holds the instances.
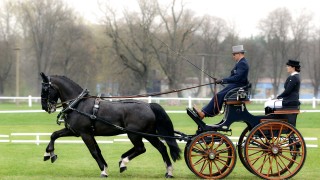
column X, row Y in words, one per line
column 44, row 77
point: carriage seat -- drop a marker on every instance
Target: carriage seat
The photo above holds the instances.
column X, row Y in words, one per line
column 283, row 110
column 238, row 95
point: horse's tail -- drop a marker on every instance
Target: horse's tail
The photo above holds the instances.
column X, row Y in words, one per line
column 164, row 127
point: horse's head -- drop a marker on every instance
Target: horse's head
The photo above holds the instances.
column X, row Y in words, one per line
column 49, row 94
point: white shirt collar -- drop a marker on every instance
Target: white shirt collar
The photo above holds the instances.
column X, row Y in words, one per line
column 294, row 73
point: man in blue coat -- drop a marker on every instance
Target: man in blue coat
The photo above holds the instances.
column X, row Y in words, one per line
column 238, row 78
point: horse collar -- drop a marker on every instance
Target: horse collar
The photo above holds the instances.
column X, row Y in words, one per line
column 63, row 113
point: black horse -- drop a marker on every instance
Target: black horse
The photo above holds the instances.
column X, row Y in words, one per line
column 87, row 117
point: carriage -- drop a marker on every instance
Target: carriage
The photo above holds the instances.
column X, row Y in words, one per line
column 270, row 146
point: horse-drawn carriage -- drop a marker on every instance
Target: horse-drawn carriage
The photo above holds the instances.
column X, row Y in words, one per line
column 269, row 147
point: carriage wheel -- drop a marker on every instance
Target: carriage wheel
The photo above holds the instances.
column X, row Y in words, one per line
column 211, row 155
column 240, row 146
column 186, row 154
column 275, row 150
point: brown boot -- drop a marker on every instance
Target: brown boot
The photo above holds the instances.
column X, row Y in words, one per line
column 199, row 112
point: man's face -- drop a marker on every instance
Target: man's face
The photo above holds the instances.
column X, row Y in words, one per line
column 236, row 56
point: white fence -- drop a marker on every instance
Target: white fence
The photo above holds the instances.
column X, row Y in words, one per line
column 40, row 138
column 150, row 99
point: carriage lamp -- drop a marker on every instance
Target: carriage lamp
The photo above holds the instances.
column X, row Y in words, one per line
column 241, row 94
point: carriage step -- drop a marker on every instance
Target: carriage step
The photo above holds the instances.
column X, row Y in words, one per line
column 195, row 117
column 198, row 121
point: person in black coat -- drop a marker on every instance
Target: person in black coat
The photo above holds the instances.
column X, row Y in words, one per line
column 238, row 78
column 290, row 96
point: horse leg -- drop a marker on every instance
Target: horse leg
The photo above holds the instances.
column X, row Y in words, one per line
column 95, row 151
column 133, row 152
column 165, row 156
column 123, row 167
column 49, row 154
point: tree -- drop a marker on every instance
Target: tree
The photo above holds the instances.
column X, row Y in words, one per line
column 275, row 29
column 301, row 27
column 131, row 42
column 8, row 42
column 40, row 21
column 179, row 26
column 257, row 56
column 74, row 51
column 213, row 31
column 312, row 62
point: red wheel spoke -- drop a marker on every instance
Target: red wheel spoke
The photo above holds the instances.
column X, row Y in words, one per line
column 199, row 161
column 224, row 150
column 217, row 167
column 195, row 148
column 263, row 135
column 270, row 165
column 286, row 167
column 289, row 159
column 210, row 168
column 254, row 162
column 257, row 149
column 279, row 135
column 262, row 155
column 260, row 143
column 278, row 165
column 204, row 142
column 263, row 162
column 200, row 155
column 204, row 165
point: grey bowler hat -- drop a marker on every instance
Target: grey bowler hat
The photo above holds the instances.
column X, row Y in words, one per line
column 238, row 49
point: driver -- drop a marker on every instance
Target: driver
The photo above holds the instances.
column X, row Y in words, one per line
column 238, row 78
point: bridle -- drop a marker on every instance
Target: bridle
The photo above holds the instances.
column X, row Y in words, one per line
column 45, row 96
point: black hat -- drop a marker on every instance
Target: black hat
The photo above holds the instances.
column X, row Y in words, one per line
column 293, row 63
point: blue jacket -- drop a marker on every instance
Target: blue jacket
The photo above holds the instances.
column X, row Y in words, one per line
column 239, row 74
column 238, row 78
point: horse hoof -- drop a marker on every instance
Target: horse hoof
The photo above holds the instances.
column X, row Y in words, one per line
column 46, row 158
column 54, row 158
column 103, row 176
column 168, row 176
column 122, row 169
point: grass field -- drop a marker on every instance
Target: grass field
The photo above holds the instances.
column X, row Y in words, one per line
column 24, row 161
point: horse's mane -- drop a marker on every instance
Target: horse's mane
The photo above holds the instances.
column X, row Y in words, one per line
column 67, row 79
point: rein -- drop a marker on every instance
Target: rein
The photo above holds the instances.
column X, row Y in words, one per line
column 58, row 105
column 152, row 94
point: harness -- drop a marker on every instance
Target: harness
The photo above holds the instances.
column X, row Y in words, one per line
column 96, row 107
column 95, row 110
column 63, row 115
column 95, row 118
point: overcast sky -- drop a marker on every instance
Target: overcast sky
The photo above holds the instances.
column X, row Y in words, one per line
column 244, row 13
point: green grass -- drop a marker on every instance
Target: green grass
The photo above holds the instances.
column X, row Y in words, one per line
column 24, row 161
